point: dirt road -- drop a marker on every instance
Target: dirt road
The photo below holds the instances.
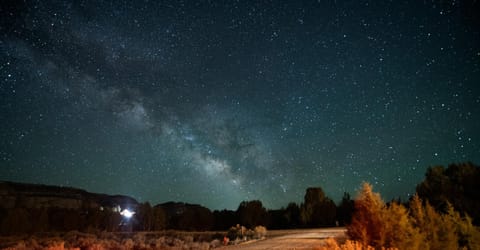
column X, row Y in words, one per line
column 292, row 239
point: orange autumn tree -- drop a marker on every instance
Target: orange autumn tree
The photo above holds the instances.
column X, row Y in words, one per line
column 393, row 226
column 378, row 225
column 366, row 226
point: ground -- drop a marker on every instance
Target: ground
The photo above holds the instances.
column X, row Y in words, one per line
column 276, row 239
column 292, row 239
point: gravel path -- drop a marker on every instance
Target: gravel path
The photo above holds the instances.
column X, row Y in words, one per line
column 292, row 239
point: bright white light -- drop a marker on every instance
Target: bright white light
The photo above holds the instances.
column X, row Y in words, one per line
column 127, row 213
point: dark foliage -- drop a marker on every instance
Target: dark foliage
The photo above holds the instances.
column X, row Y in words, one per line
column 292, row 215
column 277, row 219
column 458, row 184
column 345, row 210
column 188, row 217
column 252, row 213
column 318, row 209
column 224, row 219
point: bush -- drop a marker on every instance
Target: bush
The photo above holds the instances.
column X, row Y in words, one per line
column 236, row 232
column 215, row 243
column 331, row 244
column 240, row 233
column 260, row 232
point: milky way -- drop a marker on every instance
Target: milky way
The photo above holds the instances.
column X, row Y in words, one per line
column 218, row 102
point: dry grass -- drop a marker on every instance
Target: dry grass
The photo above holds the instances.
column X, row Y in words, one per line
column 121, row 241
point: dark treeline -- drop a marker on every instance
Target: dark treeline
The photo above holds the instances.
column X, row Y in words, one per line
column 458, row 185
column 316, row 211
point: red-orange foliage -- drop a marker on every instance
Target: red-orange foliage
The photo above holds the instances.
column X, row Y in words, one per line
column 421, row 227
column 366, row 226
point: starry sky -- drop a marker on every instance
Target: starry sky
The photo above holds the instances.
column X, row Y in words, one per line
column 216, row 102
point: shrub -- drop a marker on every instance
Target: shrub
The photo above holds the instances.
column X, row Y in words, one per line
column 331, row 244
column 239, row 233
column 215, row 243
column 260, row 232
column 236, row 232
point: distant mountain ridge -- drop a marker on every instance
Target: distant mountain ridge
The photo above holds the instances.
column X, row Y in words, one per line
column 24, row 195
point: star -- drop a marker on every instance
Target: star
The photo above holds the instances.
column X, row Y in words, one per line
column 214, row 103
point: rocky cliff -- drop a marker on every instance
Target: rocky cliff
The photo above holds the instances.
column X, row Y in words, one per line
column 15, row 195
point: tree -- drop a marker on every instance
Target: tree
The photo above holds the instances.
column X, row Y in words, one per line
column 418, row 218
column 441, row 230
column 434, row 230
column 457, row 184
column 112, row 220
column 317, row 210
column 367, row 225
column 159, row 218
column 144, row 217
column 277, row 219
column 252, row 213
column 345, row 209
column 196, row 217
column 325, row 213
column 224, row 219
column 95, row 220
column 436, row 187
column 467, row 234
column 392, row 226
column 292, row 215
column 398, row 231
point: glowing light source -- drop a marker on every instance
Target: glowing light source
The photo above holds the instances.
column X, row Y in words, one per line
column 127, row 213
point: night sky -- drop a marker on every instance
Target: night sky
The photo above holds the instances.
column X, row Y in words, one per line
column 216, row 102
